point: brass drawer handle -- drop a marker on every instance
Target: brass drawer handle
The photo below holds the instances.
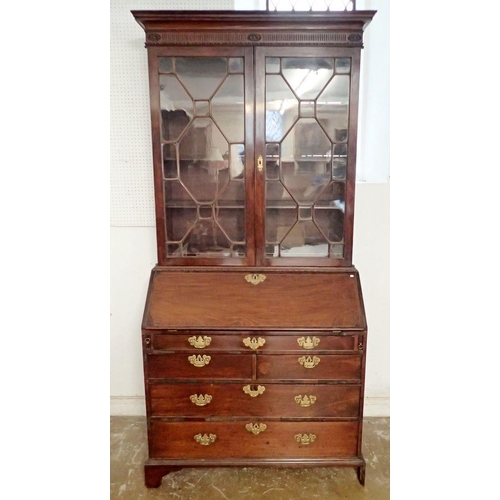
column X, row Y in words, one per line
column 205, row 440
column 253, row 394
column 305, row 438
column 200, row 343
column 199, row 360
column 254, row 343
column 309, row 362
column 255, row 279
column 308, row 343
column 256, row 428
column 305, row 401
column 200, row 400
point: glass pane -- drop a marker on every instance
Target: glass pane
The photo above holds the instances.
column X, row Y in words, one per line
column 272, row 161
column 165, row 65
column 176, row 107
column 337, row 251
column 179, row 222
column 281, row 108
column 206, row 240
column 202, row 108
column 333, row 196
column 331, row 223
column 169, row 157
column 307, row 75
column 201, row 75
column 233, row 195
column 228, row 108
column 278, row 196
column 306, row 161
column 304, row 240
column 236, row 65
column 279, row 221
column 237, row 161
column 343, row 65
column 232, row 221
column 333, row 108
column 272, row 65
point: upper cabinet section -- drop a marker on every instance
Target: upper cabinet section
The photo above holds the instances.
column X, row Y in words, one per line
column 254, row 123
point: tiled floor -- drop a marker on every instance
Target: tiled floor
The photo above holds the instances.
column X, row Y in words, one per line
column 129, row 451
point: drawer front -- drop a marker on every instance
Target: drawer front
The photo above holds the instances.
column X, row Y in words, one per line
column 233, row 440
column 250, row 399
column 252, row 341
column 199, row 341
column 308, row 366
column 307, row 342
column 215, row 365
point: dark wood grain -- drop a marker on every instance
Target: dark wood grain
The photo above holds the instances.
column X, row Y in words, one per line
column 277, row 400
column 234, row 342
column 229, row 366
column 330, row 367
column 176, row 439
column 216, row 300
column 301, row 297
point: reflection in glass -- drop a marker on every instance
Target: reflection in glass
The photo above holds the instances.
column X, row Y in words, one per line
column 333, row 196
column 337, row 251
column 201, row 75
column 304, row 240
column 306, row 161
column 331, row 223
column 176, row 107
column 343, row 65
column 202, row 108
column 272, row 65
column 333, row 107
column 204, row 172
column 228, row 108
column 281, row 108
column 237, row 161
column 236, row 65
column 307, row 75
column 165, row 65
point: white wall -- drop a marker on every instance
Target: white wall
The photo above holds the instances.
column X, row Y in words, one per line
column 133, row 244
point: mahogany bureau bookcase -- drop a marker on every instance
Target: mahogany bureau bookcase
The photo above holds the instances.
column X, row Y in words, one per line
column 254, row 331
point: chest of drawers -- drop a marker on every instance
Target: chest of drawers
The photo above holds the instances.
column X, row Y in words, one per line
column 239, row 374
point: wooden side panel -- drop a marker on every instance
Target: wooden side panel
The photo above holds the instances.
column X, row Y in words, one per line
column 168, row 400
column 176, row 440
column 226, row 299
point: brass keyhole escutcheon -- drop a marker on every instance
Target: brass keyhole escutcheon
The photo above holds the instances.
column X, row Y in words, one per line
column 260, row 163
column 255, row 279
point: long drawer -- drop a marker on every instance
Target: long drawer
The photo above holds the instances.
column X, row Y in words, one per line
column 250, row 399
column 308, row 366
column 235, row 440
column 251, row 341
column 199, row 366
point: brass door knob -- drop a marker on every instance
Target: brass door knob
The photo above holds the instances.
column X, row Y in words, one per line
column 200, row 342
column 256, row 428
column 199, row 360
column 201, row 400
column 308, row 343
column 305, row 438
column 254, row 393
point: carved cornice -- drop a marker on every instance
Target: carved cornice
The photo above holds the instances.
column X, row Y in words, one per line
column 345, row 39
column 253, row 27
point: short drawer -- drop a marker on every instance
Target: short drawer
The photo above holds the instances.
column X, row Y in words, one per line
column 198, row 341
column 250, row 399
column 199, row 366
column 307, row 342
column 253, row 439
column 309, row 366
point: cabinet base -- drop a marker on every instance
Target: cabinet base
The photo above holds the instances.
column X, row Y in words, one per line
column 154, row 470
